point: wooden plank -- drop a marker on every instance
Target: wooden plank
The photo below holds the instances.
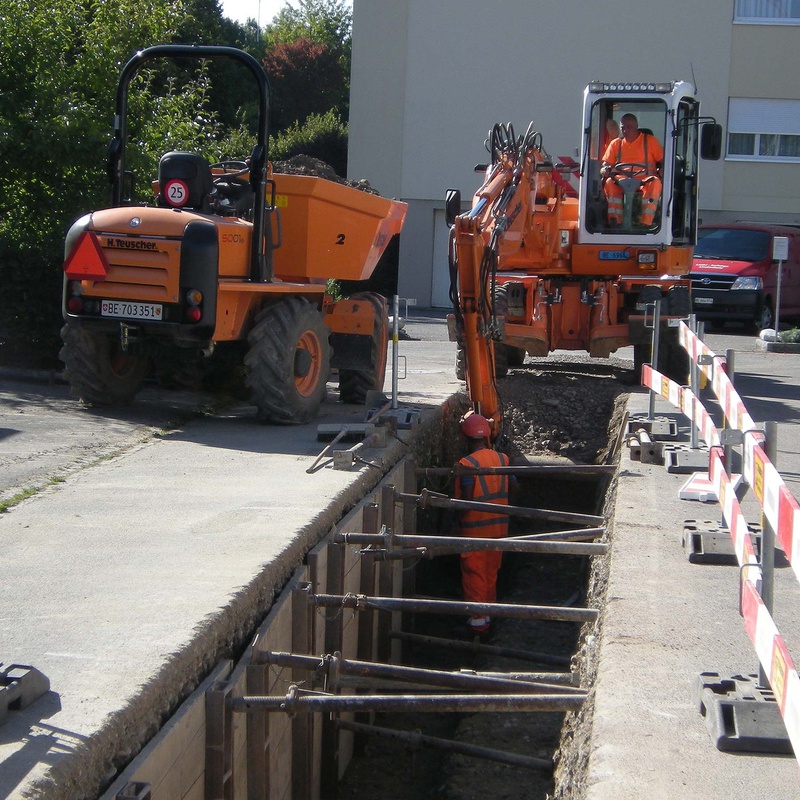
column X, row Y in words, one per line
column 386, row 575
column 302, row 751
column 219, row 743
column 257, row 734
column 174, row 759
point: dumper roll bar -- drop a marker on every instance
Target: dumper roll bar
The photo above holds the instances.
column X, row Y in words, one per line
column 261, row 253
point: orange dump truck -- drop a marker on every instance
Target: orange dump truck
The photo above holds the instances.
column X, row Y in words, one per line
column 230, row 264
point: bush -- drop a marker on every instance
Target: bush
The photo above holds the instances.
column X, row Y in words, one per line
column 322, row 136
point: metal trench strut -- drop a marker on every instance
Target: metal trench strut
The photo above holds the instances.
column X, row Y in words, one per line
column 427, row 499
column 475, row 646
column 361, row 602
column 415, row 740
column 414, row 546
column 300, row 701
column 333, row 667
column 572, row 471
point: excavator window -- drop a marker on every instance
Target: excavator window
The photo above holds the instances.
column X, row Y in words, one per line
column 623, row 191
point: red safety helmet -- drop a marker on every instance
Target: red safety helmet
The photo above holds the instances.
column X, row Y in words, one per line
column 474, row 426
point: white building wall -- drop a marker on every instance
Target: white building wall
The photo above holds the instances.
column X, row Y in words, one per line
column 431, row 77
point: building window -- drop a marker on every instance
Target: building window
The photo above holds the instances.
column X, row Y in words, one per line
column 781, row 12
column 763, row 130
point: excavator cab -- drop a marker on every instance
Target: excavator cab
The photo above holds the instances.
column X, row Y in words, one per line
column 650, row 198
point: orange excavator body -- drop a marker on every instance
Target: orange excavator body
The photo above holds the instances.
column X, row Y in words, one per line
column 535, row 267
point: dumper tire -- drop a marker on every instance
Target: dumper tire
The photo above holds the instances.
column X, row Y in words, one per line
column 288, row 362
column 642, row 350
column 99, row 372
column 354, row 384
column 500, row 359
column 461, row 364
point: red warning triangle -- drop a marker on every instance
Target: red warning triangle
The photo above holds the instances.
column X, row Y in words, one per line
column 87, row 261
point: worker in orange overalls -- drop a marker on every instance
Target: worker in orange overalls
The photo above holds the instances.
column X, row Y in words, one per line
column 479, row 569
column 643, row 155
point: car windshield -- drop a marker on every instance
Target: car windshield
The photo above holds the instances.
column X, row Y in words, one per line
column 732, row 244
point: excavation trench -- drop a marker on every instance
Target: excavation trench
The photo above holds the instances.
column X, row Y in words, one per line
column 434, row 758
column 363, row 681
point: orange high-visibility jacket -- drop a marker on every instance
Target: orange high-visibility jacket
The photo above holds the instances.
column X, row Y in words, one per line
column 486, row 489
column 644, row 149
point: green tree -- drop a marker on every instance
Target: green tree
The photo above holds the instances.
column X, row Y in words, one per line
column 59, row 63
column 316, row 34
column 306, row 78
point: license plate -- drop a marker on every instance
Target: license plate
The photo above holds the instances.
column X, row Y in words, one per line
column 120, row 308
column 704, row 301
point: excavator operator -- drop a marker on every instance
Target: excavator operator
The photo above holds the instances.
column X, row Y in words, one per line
column 634, row 155
column 479, row 569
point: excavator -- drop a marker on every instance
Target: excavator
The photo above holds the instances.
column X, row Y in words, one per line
column 536, row 266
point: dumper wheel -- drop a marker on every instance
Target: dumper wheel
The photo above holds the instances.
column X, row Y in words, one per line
column 461, row 364
column 355, row 383
column 288, row 362
column 505, row 356
column 99, row 372
column 673, row 361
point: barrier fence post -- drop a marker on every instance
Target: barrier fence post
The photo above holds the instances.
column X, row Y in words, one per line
column 768, row 539
column 656, row 342
column 395, row 348
column 730, row 368
column 694, row 385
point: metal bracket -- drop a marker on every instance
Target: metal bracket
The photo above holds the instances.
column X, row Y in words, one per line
column 344, row 459
column 135, row 790
column 731, row 437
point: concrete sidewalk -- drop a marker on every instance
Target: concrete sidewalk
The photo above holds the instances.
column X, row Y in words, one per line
column 668, row 620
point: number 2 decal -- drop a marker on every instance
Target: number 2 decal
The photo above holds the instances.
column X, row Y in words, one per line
column 340, row 238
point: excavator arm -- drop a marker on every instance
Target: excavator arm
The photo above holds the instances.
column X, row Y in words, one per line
column 495, row 227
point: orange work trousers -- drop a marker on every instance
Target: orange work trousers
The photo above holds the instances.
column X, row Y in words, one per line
column 479, row 575
column 650, row 191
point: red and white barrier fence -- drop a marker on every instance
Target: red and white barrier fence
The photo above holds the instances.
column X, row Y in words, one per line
column 780, row 508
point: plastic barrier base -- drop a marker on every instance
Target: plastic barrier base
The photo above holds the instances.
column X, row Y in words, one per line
column 707, row 542
column 740, row 715
column 701, row 487
column 683, row 459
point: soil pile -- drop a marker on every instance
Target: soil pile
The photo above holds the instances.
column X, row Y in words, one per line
column 308, row 165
